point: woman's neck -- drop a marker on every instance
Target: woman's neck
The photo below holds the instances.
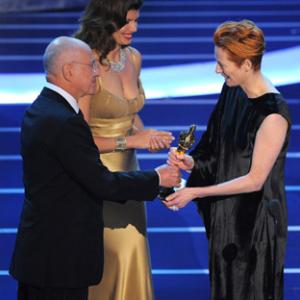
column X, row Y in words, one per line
column 257, row 85
column 114, row 55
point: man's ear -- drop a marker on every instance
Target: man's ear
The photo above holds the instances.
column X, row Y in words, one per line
column 67, row 72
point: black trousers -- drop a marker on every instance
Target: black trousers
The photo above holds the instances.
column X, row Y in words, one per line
column 27, row 292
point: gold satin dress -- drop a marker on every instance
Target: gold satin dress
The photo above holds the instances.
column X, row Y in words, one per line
column 127, row 268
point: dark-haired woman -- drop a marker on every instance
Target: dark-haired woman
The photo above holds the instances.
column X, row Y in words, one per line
column 108, row 27
column 237, row 174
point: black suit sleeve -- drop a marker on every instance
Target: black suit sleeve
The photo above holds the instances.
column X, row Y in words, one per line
column 79, row 156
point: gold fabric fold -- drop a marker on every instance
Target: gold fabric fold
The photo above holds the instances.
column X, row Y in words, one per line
column 111, row 127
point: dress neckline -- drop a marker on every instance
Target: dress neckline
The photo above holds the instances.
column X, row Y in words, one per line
column 122, row 98
column 263, row 97
column 140, row 92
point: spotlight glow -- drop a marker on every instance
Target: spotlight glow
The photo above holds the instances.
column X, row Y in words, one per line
column 282, row 67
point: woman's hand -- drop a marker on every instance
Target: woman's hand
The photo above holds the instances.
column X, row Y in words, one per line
column 182, row 161
column 181, row 198
column 160, row 140
column 151, row 139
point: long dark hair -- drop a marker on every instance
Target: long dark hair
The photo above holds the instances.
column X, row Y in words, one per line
column 101, row 19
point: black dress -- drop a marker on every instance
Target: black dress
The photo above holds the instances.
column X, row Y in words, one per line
column 240, row 228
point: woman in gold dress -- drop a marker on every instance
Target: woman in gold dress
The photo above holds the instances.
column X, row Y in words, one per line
column 107, row 26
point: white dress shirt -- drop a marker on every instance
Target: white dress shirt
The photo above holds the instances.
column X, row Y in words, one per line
column 69, row 98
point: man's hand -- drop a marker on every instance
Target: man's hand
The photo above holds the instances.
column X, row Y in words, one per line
column 170, row 176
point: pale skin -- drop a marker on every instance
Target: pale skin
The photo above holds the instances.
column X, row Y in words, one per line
column 268, row 142
column 124, row 84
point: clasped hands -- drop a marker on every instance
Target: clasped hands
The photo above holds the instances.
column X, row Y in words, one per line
column 152, row 139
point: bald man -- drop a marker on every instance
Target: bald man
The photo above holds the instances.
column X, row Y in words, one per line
column 59, row 246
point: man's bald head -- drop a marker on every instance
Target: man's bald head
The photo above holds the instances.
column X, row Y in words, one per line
column 70, row 64
column 60, row 51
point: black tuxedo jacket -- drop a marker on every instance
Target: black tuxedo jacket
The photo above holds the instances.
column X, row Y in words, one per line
column 59, row 241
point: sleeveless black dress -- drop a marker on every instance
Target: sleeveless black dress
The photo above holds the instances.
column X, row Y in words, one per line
column 240, row 228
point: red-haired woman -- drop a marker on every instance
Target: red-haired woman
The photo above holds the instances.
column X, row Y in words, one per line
column 238, row 170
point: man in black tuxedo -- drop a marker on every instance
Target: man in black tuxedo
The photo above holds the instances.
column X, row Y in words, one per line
column 58, row 247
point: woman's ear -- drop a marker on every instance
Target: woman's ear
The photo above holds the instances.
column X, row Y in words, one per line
column 247, row 64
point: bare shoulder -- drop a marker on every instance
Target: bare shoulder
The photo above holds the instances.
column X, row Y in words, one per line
column 134, row 52
column 273, row 125
column 275, row 119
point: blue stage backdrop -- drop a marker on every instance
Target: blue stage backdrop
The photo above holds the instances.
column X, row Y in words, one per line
column 175, row 39
column 34, row 5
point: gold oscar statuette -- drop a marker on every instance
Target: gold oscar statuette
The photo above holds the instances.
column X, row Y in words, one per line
column 186, row 141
